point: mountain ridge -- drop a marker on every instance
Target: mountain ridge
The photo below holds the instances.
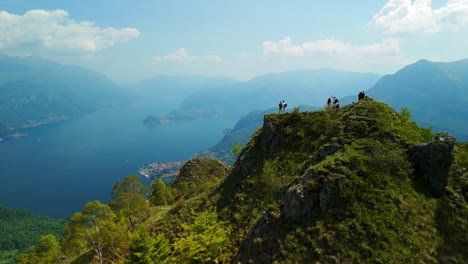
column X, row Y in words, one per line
column 340, row 187
column 435, row 92
column 36, row 91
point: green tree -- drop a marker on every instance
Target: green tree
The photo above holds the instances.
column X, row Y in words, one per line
column 161, row 195
column 129, row 197
column 237, row 148
column 48, row 251
column 145, row 249
column 96, row 229
column 206, row 240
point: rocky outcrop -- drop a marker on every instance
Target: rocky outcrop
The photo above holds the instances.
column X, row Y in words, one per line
column 432, row 161
column 269, row 135
column 297, row 201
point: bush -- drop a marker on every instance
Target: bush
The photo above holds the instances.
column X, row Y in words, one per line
column 206, row 239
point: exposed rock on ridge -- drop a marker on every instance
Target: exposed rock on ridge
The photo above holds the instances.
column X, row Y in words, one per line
column 432, row 161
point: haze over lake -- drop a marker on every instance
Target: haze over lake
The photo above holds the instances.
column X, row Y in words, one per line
column 60, row 167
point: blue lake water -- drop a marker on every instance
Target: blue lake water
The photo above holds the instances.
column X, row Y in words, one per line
column 57, row 168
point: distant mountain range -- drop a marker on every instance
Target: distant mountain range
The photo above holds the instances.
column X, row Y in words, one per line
column 171, row 90
column 197, row 97
column 35, row 91
column 435, row 92
column 307, row 87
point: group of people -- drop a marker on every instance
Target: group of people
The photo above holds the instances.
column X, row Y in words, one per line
column 282, row 107
column 332, row 102
column 362, row 95
column 335, row 101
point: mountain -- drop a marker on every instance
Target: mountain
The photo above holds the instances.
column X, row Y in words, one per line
column 363, row 184
column 435, row 92
column 35, row 91
column 309, row 87
column 171, row 90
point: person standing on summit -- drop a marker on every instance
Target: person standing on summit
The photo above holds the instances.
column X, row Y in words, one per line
column 282, row 107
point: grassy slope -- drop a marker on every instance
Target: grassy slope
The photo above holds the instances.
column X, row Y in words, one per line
column 352, row 169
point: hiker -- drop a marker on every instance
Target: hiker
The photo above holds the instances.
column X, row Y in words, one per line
column 361, row 95
column 280, row 107
column 329, row 102
column 284, row 107
column 336, row 103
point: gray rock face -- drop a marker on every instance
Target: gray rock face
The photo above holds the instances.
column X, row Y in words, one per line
column 432, row 161
column 271, row 135
column 296, row 202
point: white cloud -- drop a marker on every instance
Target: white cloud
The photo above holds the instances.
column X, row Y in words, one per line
column 39, row 31
column 181, row 55
column 408, row 16
column 330, row 47
column 383, row 56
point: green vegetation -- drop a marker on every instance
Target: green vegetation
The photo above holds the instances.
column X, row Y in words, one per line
column 129, row 199
column 48, row 251
column 336, row 186
column 161, row 195
column 330, row 186
column 206, row 239
column 196, row 175
column 149, row 250
column 237, row 148
column 21, row 229
column 98, row 229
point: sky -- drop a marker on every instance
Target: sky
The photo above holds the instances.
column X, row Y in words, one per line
column 134, row 40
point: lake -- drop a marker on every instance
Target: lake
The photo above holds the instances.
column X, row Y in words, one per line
column 57, row 168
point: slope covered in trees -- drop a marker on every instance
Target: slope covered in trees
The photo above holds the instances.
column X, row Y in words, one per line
column 21, row 229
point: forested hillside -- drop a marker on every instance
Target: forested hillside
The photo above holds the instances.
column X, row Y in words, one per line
column 21, row 229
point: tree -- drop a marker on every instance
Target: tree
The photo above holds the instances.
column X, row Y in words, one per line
column 207, row 239
column 130, row 184
column 146, row 249
column 96, row 229
column 130, row 199
column 237, row 148
column 48, row 251
column 161, row 195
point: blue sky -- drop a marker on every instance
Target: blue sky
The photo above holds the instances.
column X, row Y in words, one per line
column 132, row 40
